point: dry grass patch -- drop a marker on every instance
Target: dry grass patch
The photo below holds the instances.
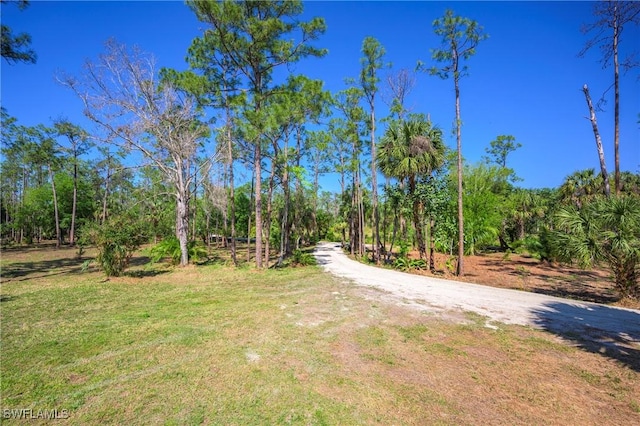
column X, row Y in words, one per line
column 218, row 345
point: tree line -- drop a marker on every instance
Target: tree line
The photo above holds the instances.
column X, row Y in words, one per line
column 171, row 145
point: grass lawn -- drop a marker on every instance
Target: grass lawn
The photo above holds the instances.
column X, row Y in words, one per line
column 217, row 345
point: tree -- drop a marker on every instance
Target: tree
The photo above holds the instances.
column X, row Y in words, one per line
column 500, row 149
column 611, row 17
column 339, row 154
column 460, row 37
column 318, row 158
column 525, row 206
column 110, row 164
column 47, row 152
column 399, row 86
column 214, row 79
column 371, row 63
column 580, row 187
column 348, row 103
column 482, row 205
column 16, row 48
column 596, row 133
column 257, row 37
column 79, row 144
column 432, row 192
column 605, row 230
column 409, row 150
column 30, row 154
column 121, row 94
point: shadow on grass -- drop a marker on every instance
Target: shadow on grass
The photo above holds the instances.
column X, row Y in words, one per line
column 44, row 245
column 610, row 332
column 144, row 273
column 21, row 271
column 6, row 298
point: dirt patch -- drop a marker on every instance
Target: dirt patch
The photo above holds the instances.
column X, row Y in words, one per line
column 511, row 376
column 528, row 274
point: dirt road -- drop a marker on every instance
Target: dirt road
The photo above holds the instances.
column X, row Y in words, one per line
column 603, row 327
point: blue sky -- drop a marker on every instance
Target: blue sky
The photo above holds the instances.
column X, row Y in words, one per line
column 525, row 80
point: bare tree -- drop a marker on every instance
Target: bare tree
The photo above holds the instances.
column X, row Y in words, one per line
column 611, row 17
column 122, row 96
column 596, row 133
column 399, row 85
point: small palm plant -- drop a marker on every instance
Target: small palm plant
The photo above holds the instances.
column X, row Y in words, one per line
column 170, row 248
column 605, row 230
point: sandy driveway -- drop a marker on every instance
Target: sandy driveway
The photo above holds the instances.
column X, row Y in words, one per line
column 604, row 326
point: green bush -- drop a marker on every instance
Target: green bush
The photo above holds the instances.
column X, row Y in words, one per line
column 303, row 259
column 406, row 264
column 170, row 248
column 605, row 230
column 116, row 240
column 403, row 262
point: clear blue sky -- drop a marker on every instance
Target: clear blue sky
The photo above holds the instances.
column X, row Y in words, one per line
column 525, row 80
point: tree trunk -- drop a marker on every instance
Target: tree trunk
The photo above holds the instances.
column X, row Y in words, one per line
column 72, row 233
column 267, row 221
column 352, row 217
column 194, row 204
column 55, row 209
column 361, row 219
column 342, row 189
column 432, row 244
column 596, row 133
column 258, row 198
column 460, row 267
column 393, row 236
column 616, row 113
column 285, row 226
column 374, row 191
column 25, row 184
column 103, row 217
column 182, row 225
column 417, row 220
column 314, row 209
column 232, row 201
column 208, row 230
column 249, row 221
column 385, row 219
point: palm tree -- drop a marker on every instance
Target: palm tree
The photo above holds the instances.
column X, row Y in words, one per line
column 527, row 206
column 408, row 150
column 580, row 186
column 604, row 230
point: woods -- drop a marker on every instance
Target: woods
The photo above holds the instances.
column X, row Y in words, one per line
column 233, row 149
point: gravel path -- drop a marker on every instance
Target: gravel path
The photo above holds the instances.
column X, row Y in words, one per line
column 609, row 328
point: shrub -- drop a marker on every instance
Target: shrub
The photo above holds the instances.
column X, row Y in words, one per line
column 170, row 248
column 116, row 240
column 303, row 259
column 403, row 262
column 605, row 230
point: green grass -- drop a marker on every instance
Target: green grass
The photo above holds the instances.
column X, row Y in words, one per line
column 124, row 346
column 218, row 345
